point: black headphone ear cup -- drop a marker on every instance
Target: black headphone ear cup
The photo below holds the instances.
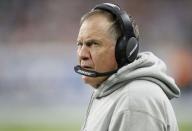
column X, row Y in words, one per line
column 126, row 52
column 120, row 51
column 132, row 49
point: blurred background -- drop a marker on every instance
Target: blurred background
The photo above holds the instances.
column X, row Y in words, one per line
column 39, row 90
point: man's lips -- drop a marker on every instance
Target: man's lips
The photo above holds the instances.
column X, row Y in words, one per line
column 86, row 67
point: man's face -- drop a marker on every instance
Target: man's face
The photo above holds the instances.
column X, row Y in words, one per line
column 96, row 48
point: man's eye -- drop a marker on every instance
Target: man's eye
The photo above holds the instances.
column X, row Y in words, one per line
column 91, row 43
column 79, row 44
column 95, row 43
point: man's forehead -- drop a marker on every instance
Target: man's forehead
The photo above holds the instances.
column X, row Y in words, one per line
column 86, row 34
column 95, row 25
column 96, row 22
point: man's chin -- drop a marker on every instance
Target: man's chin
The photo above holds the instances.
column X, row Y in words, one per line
column 87, row 79
column 93, row 81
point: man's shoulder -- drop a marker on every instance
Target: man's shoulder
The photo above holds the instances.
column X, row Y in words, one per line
column 143, row 88
column 142, row 95
column 145, row 97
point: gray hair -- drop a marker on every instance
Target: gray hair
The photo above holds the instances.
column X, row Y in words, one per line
column 114, row 28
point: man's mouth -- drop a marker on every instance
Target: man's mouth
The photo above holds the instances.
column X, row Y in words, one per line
column 87, row 67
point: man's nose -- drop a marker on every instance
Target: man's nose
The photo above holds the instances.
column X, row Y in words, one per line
column 84, row 53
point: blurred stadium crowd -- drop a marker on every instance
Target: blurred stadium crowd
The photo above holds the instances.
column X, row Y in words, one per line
column 38, row 48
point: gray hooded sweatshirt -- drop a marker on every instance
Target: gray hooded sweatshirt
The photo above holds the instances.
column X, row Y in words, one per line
column 136, row 98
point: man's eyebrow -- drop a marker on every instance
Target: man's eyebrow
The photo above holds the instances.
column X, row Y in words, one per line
column 89, row 41
column 92, row 40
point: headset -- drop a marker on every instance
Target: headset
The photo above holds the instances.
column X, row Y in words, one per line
column 127, row 46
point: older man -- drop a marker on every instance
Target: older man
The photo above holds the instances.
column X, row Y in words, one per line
column 131, row 90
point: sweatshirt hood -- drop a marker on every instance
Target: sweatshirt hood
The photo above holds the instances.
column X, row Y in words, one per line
column 148, row 67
